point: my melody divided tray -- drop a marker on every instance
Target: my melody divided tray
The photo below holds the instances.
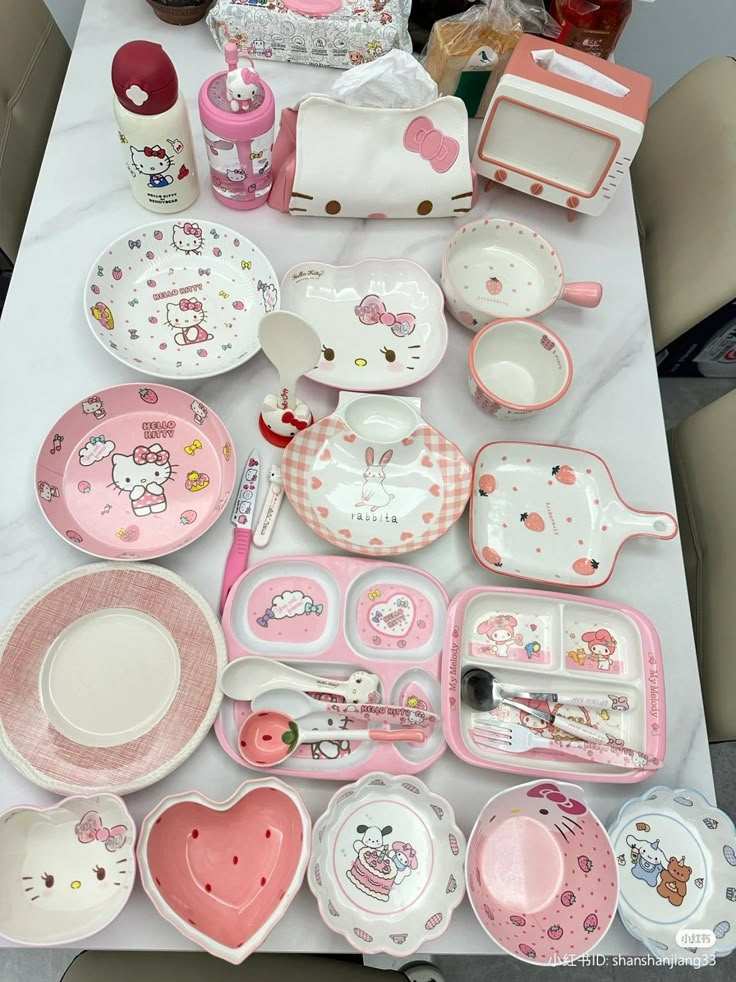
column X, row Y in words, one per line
column 546, row 641
column 331, row 616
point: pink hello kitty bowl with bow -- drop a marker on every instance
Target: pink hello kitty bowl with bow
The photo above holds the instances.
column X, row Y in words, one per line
column 180, row 298
column 135, row 472
column 67, row 870
column 541, row 873
column 224, row 873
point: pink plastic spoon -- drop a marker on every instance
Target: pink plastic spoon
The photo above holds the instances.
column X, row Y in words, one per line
column 267, row 738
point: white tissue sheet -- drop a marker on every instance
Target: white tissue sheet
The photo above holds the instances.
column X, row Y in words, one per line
column 558, row 64
column 395, row 81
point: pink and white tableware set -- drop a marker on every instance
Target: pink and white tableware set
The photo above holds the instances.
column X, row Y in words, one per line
column 357, row 669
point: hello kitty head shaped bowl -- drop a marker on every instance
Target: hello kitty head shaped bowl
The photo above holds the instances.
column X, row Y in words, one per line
column 375, row 478
column 541, row 873
column 181, row 298
column 67, row 870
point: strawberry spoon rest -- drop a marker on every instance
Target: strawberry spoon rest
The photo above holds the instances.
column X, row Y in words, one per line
column 552, row 514
column 375, row 478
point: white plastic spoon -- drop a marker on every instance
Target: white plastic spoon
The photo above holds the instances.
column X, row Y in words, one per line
column 245, row 678
column 299, row 705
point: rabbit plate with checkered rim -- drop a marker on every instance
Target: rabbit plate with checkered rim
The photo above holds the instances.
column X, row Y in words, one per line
column 676, row 855
column 375, row 478
column 387, row 864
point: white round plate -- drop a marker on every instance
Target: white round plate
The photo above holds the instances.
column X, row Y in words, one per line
column 676, row 855
column 387, row 864
column 380, row 321
column 180, row 298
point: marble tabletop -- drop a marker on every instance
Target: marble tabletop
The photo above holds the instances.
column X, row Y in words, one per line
column 50, row 361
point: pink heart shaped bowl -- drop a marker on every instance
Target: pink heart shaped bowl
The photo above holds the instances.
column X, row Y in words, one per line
column 224, row 873
column 541, row 873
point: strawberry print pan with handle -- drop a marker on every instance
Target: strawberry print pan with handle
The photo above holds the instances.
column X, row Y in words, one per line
column 552, row 514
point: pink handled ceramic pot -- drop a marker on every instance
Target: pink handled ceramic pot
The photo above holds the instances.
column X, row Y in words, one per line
column 495, row 268
column 517, row 367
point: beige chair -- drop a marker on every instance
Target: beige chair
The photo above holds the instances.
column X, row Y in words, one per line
column 33, row 60
column 684, row 180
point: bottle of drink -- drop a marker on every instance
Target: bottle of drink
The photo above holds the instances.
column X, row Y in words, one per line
column 154, row 130
column 237, row 110
column 591, row 25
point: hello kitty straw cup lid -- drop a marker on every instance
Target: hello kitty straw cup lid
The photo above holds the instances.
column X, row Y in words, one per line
column 251, row 117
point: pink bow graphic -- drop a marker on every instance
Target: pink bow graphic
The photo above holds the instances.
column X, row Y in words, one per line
column 91, row 829
column 190, row 229
column 290, row 419
column 189, row 304
column 142, row 455
column 406, row 851
column 372, row 310
column 552, row 793
column 431, row 144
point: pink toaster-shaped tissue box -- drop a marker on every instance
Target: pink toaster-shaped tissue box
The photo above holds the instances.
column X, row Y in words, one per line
column 563, row 125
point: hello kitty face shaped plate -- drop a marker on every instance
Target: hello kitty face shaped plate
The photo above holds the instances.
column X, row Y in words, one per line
column 135, row 472
column 552, row 514
column 676, row 855
column 181, row 298
column 375, row 478
column 387, row 864
column 381, row 322
column 541, row 874
column 68, row 870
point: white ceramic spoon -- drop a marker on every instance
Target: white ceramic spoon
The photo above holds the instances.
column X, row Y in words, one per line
column 293, row 347
column 245, row 678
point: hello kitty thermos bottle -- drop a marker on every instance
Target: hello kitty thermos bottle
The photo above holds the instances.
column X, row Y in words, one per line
column 154, row 130
column 237, row 110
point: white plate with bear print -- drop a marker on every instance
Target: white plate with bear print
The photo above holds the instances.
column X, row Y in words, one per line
column 180, row 298
column 381, row 321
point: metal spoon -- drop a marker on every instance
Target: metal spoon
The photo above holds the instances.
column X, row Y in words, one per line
column 482, row 691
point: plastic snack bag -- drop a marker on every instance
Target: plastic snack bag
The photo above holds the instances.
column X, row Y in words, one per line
column 466, row 54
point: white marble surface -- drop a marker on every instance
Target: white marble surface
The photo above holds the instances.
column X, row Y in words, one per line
column 50, row 361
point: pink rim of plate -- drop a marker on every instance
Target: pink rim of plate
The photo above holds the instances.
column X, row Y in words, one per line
column 199, row 444
column 239, row 954
column 60, row 804
column 471, row 226
column 50, row 760
column 572, row 910
column 543, row 331
column 301, row 453
column 452, row 663
column 559, row 583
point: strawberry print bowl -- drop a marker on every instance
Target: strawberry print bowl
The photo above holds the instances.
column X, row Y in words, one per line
column 225, row 873
column 541, row 874
column 387, row 864
column 552, row 514
column 67, row 870
column 181, row 298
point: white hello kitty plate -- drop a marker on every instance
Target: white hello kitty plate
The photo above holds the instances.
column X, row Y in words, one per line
column 375, row 478
column 180, row 298
column 108, row 679
column 387, row 864
column 68, row 870
column 135, row 472
column 381, row 322
column 552, row 514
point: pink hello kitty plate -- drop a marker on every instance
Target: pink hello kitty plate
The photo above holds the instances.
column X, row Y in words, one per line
column 68, row 870
column 108, row 679
column 380, row 321
column 541, row 873
column 135, row 472
column 181, row 298
column 375, row 478
column 552, row 514
column 224, row 873
column 387, row 864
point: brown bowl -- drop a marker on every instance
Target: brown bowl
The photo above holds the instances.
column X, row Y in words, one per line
column 179, row 14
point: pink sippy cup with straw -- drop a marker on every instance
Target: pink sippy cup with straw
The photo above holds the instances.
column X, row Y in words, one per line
column 238, row 112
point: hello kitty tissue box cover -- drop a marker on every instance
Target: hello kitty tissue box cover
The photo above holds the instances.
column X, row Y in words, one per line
column 346, row 161
column 332, row 33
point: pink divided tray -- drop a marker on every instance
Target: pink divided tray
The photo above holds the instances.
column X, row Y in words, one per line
column 555, row 641
column 331, row 616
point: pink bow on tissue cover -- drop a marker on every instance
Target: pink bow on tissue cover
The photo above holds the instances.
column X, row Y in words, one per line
column 431, row 144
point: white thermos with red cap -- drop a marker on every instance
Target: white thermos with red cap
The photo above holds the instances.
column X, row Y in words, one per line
column 154, row 130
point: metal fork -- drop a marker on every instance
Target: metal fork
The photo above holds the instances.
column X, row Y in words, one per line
column 515, row 738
